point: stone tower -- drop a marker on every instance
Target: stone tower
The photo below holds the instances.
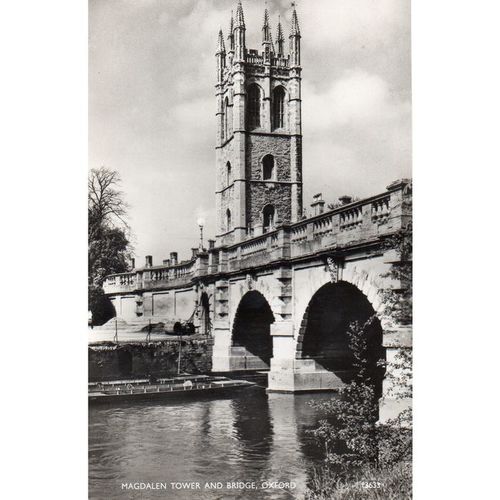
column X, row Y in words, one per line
column 259, row 131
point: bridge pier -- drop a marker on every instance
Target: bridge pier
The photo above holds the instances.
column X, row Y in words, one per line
column 228, row 358
column 222, row 345
column 300, row 375
column 396, row 394
column 289, row 374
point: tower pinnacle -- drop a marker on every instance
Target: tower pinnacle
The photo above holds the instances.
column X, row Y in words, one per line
column 265, row 26
column 240, row 19
column 295, row 30
column 230, row 36
column 266, row 35
column 280, row 39
column 294, row 40
column 221, row 49
column 239, row 35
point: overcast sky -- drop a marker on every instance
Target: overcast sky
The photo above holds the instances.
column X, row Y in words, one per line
column 152, row 104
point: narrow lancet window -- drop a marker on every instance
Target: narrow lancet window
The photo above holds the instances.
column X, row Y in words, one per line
column 225, row 134
column 228, row 173
column 268, row 167
column 268, row 215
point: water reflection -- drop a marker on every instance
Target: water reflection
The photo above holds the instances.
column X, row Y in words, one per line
column 250, row 437
column 253, row 426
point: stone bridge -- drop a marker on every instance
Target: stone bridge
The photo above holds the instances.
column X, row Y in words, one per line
column 282, row 301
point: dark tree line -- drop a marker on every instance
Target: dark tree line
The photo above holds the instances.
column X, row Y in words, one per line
column 109, row 247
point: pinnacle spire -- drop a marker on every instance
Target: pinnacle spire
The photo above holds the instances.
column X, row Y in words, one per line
column 266, row 31
column 230, row 36
column 220, row 43
column 280, row 37
column 266, row 18
column 295, row 30
column 240, row 19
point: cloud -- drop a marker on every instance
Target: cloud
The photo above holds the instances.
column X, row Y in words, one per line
column 196, row 116
column 357, row 135
column 356, row 99
column 328, row 22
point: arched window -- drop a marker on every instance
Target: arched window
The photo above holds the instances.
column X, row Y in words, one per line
column 268, row 167
column 228, row 173
column 278, row 108
column 228, row 220
column 253, row 105
column 268, row 215
column 226, row 119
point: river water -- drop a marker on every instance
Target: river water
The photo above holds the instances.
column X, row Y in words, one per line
column 251, row 437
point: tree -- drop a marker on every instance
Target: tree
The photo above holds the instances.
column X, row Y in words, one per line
column 108, row 237
column 108, row 254
column 106, row 206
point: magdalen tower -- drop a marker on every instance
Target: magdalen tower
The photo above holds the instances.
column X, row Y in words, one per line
column 259, row 131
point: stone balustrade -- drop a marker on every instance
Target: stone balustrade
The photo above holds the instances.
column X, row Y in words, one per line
column 253, row 58
column 151, row 278
column 351, row 219
column 280, row 62
column 380, row 209
column 352, row 224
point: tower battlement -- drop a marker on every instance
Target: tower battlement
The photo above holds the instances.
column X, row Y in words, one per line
column 259, row 131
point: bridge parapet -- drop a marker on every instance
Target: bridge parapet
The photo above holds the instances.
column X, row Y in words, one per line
column 346, row 226
column 355, row 223
column 156, row 277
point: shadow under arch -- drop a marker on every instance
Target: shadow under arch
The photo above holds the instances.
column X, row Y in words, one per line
column 323, row 334
column 252, row 327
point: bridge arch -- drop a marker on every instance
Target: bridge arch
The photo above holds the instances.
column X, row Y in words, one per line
column 323, row 334
column 252, row 328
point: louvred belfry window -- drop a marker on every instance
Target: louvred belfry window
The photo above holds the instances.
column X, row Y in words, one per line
column 253, row 101
column 278, row 108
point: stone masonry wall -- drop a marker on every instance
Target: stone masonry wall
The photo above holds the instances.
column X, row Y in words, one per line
column 139, row 360
column 259, row 193
column 260, row 145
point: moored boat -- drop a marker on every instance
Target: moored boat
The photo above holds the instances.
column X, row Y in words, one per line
column 183, row 386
